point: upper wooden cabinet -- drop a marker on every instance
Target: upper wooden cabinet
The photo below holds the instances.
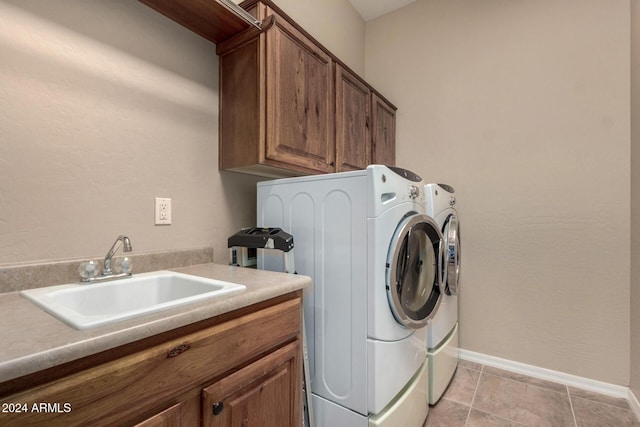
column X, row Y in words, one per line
column 299, row 83
column 383, row 131
column 276, row 109
column 289, row 107
column 353, row 118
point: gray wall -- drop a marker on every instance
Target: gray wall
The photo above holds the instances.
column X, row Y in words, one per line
column 523, row 106
column 635, row 197
column 105, row 105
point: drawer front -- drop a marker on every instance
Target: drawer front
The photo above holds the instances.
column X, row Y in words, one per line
column 117, row 391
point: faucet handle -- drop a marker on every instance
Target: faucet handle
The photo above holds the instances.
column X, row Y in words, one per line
column 89, row 269
column 123, row 264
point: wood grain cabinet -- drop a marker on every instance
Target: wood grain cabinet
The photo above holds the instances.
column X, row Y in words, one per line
column 383, row 131
column 353, row 121
column 276, row 110
column 257, row 395
column 185, row 413
column 248, row 362
column 365, row 124
column 289, row 107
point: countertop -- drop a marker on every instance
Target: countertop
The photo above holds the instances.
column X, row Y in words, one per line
column 33, row 340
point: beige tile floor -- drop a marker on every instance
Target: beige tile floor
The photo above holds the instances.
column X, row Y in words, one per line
column 482, row 396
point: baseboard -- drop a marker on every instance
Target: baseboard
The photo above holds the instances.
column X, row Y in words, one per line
column 555, row 376
column 633, row 403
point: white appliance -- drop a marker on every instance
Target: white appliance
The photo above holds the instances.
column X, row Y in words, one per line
column 373, row 255
column 442, row 332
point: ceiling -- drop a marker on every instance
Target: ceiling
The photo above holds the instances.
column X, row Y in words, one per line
column 371, row 9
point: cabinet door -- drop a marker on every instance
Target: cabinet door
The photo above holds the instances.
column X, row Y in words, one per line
column 266, row 393
column 168, row 418
column 353, row 106
column 186, row 413
column 299, row 116
column 383, row 121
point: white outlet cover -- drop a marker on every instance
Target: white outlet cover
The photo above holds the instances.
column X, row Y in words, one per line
column 163, row 211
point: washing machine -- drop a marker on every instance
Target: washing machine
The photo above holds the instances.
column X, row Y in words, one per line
column 374, row 258
column 442, row 331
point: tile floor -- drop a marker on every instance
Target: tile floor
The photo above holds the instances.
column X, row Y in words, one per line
column 482, row 396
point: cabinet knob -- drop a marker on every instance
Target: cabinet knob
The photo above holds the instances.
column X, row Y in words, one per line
column 217, row 408
column 332, row 164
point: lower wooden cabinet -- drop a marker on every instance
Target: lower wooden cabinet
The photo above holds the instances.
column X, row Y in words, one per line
column 250, row 364
column 257, row 395
column 183, row 414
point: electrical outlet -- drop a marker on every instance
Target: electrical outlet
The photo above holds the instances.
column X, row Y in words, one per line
column 163, row 211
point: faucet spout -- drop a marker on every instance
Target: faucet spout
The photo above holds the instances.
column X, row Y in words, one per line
column 126, row 247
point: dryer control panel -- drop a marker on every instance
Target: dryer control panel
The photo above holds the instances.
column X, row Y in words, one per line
column 389, row 188
column 416, row 193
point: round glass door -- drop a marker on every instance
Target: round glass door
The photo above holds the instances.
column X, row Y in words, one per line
column 414, row 276
column 452, row 237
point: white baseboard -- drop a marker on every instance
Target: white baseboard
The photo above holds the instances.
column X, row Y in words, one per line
column 555, row 376
column 633, row 403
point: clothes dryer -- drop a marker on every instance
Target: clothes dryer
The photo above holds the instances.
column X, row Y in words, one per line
column 442, row 332
column 373, row 255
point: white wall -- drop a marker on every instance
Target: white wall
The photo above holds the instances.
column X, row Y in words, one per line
column 523, row 106
column 105, row 105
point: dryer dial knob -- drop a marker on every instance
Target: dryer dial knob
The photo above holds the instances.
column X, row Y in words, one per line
column 414, row 192
column 452, row 201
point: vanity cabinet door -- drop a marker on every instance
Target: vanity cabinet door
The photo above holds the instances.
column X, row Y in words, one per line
column 170, row 417
column 182, row 414
column 353, row 136
column 261, row 394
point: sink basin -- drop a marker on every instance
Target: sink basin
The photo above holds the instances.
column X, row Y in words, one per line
column 86, row 306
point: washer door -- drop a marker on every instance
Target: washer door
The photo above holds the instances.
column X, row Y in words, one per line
column 451, row 233
column 414, row 279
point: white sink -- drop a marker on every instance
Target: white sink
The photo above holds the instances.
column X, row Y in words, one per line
column 89, row 305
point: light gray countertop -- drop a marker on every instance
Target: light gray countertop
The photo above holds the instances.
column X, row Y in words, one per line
column 33, row 340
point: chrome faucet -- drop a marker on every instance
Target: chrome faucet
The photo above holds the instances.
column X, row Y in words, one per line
column 124, row 240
